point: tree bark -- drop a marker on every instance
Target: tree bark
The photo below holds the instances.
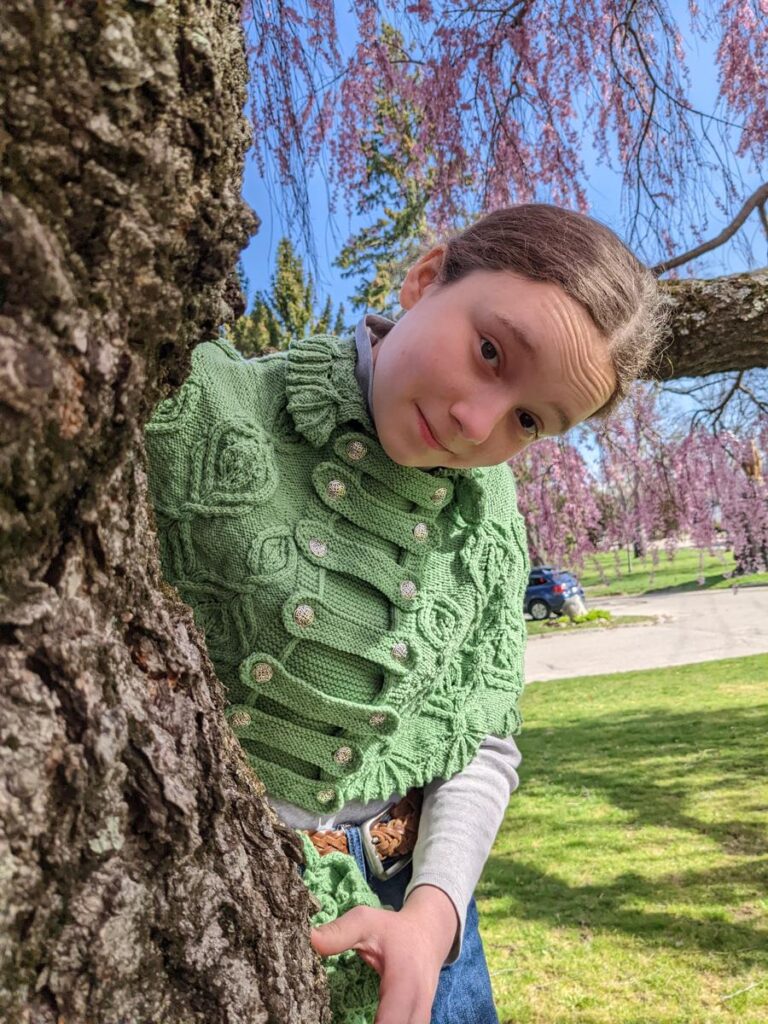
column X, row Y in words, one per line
column 717, row 325
column 142, row 876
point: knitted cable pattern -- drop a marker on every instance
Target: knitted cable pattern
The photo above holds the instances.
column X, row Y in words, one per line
column 364, row 617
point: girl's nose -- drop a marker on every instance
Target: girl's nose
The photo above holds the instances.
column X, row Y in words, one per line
column 479, row 416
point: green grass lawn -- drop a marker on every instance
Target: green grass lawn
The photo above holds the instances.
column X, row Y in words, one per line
column 629, row 880
column 680, row 573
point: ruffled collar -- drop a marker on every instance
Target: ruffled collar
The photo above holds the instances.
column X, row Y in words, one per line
column 323, row 393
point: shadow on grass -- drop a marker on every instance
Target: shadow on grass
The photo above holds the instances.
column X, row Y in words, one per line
column 598, row 590
column 648, row 765
column 708, row 584
column 543, row 897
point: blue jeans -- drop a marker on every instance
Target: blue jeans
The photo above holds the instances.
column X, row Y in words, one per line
column 464, row 993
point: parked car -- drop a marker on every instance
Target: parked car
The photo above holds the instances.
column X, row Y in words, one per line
column 548, row 590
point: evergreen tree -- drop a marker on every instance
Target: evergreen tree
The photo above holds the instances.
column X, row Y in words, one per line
column 382, row 252
column 257, row 332
column 287, row 311
column 339, row 327
column 292, row 297
column 323, row 322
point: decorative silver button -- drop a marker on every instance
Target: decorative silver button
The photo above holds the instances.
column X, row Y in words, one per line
column 421, row 531
column 336, row 489
column 408, row 589
column 240, row 719
column 324, row 796
column 400, row 650
column 343, row 755
column 318, row 548
column 356, row 450
column 261, row 672
column 439, row 495
column 304, row 615
column 377, row 718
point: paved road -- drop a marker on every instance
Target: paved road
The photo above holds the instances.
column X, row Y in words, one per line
column 692, row 627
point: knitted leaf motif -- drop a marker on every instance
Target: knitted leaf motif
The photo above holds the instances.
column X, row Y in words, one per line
column 172, row 413
column 393, row 773
column 226, row 618
column 273, row 555
column 212, row 617
column 177, row 552
column 470, row 497
column 283, row 430
column 336, row 882
column 438, row 620
column 452, row 680
column 467, row 732
column 444, row 705
column 234, row 467
column 499, row 666
column 485, row 555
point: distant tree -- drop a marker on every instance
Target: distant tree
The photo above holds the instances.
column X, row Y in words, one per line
column 257, row 332
column 323, row 322
column 644, row 482
column 287, row 311
column 292, row 297
column 378, row 255
column 339, row 326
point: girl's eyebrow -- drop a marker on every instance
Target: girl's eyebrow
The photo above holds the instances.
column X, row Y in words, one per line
column 512, row 330
column 508, row 327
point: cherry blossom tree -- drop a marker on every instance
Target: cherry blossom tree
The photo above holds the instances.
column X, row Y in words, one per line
column 629, row 480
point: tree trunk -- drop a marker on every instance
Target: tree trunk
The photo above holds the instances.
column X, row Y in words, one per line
column 717, row 325
column 142, row 876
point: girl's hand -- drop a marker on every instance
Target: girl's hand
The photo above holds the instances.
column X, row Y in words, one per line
column 406, row 948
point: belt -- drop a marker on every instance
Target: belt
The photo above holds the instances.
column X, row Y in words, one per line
column 382, row 839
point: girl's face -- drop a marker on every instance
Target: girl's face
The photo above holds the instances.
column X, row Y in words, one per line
column 478, row 369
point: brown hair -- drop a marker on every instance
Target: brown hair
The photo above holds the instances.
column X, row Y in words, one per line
column 587, row 260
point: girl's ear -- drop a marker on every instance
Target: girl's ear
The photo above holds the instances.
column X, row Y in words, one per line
column 422, row 274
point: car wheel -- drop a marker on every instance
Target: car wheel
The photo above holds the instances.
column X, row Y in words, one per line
column 539, row 610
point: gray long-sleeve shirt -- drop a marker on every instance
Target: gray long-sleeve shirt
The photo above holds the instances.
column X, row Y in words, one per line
column 460, row 816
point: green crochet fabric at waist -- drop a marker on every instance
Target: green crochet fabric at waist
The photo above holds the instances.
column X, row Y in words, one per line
column 338, row 885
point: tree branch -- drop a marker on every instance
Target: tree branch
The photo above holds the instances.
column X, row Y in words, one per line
column 757, row 199
column 716, row 326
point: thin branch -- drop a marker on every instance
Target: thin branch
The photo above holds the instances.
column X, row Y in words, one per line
column 757, row 199
column 719, row 410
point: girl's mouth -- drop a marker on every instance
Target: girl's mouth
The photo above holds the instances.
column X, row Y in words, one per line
column 427, row 436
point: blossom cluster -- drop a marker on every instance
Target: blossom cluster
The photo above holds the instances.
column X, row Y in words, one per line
column 509, row 98
column 630, row 481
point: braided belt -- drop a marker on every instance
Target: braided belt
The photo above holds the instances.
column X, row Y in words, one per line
column 393, row 838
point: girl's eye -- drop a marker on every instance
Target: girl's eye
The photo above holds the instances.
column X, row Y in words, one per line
column 528, row 423
column 488, row 349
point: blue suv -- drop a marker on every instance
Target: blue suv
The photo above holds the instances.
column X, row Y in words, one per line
column 548, row 590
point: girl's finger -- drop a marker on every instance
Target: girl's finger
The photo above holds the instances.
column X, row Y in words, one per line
column 346, row 932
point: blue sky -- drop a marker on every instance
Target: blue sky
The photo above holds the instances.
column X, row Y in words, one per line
column 603, row 192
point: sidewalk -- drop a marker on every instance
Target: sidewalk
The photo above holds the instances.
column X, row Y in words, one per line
column 692, row 627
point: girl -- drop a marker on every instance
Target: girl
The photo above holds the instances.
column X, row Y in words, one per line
column 342, row 520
